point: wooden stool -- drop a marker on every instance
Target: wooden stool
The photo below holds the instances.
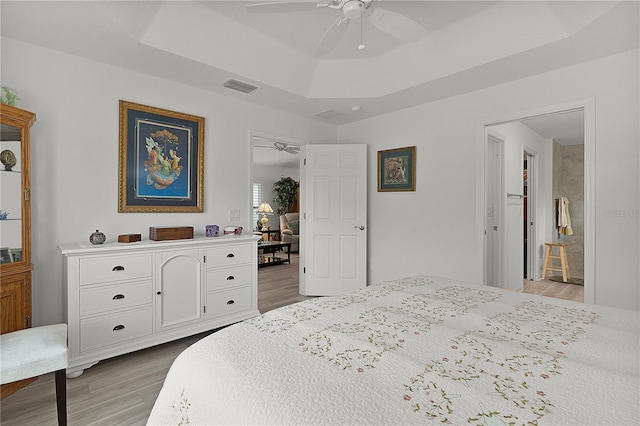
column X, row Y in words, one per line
column 548, row 261
column 35, row 351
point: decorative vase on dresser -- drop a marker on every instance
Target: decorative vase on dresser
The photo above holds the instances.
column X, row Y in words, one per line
column 15, row 228
column 122, row 297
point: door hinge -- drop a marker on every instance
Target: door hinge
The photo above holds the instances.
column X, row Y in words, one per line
column 204, row 259
column 304, row 162
column 27, row 194
column 205, row 309
column 304, row 270
column 27, row 321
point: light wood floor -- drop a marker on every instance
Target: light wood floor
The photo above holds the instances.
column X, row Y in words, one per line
column 122, row 390
column 555, row 289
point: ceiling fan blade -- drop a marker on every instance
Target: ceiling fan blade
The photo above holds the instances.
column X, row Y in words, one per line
column 397, row 25
column 292, row 150
column 281, row 6
column 332, row 36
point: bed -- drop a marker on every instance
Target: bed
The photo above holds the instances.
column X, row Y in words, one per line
column 414, row 350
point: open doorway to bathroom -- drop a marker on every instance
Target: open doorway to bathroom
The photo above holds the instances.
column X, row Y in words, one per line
column 546, row 157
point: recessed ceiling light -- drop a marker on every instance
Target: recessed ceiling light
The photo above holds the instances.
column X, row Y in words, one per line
column 356, row 108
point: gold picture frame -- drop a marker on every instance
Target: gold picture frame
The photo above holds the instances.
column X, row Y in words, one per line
column 161, row 160
column 397, row 169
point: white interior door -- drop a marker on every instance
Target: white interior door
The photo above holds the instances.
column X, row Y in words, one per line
column 333, row 237
column 529, row 225
column 493, row 211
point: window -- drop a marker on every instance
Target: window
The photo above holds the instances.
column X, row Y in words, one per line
column 257, row 199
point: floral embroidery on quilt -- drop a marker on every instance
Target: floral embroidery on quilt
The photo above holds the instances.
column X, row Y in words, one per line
column 536, row 334
column 386, row 288
column 303, row 311
column 362, row 344
column 181, row 408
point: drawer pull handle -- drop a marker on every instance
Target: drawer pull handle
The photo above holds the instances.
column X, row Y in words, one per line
column 118, row 296
column 118, row 327
column 231, row 255
column 118, row 268
column 231, row 277
column 231, row 302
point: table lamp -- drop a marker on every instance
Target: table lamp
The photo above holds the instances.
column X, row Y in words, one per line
column 265, row 209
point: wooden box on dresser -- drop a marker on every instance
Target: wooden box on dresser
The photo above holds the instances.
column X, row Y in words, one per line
column 122, row 297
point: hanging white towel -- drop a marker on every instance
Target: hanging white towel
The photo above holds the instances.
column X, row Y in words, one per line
column 562, row 217
column 564, row 220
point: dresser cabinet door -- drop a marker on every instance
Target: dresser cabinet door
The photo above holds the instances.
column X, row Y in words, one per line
column 180, row 287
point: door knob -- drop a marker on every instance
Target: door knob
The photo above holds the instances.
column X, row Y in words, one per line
column 360, row 227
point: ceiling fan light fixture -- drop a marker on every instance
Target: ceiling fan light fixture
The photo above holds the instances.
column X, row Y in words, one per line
column 353, row 9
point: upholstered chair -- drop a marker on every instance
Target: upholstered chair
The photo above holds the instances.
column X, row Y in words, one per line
column 289, row 230
column 35, row 351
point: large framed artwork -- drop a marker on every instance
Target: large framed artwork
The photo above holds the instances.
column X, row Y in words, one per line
column 160, row 161
column 397, row 169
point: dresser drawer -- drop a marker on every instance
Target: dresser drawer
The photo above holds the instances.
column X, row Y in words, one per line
column 106, row 330
column 230, row 255
column 222, row 278
column 228, row 302
column 111, row 297
column 115, row 268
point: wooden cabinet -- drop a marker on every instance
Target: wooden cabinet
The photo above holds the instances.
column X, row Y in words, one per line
column 15, row 302
column 15, row 225
column 125, row 297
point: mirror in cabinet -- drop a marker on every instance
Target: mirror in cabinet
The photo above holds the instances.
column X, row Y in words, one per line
column 15, row 218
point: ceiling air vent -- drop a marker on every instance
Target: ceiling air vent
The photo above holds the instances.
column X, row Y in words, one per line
column 329, row 114
column 240, row 86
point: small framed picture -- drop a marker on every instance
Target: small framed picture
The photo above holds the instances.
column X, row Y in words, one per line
column 397, row 169
column 16, row 254
column 5, row 255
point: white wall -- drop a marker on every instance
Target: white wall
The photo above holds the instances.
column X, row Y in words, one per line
column 435, row 229
column 75, row 153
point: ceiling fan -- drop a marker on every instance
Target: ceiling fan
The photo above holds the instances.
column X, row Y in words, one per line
column 281, row 147
column 392, row 23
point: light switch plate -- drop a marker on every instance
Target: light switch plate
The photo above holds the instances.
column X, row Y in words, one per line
column 234, row 214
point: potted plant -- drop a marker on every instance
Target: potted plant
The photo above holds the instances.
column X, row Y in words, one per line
column 286, row 190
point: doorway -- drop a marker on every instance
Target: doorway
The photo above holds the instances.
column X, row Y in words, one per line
column 531, row 220
column 273, row 156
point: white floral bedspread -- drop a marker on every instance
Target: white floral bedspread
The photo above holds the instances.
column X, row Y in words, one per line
column 413, row 351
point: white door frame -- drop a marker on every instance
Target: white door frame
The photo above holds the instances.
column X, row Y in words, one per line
column 588, row 106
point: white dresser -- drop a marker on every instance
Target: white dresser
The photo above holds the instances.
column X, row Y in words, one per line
column 122, row 297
